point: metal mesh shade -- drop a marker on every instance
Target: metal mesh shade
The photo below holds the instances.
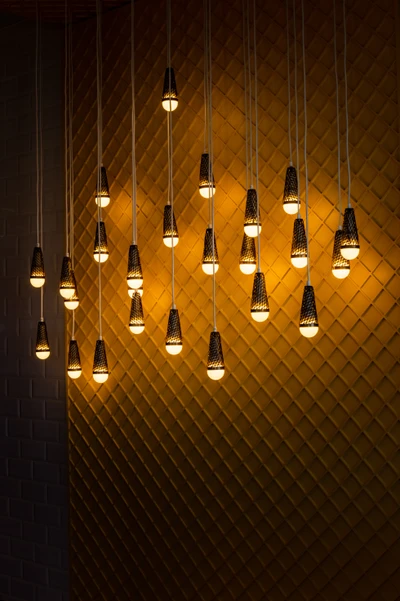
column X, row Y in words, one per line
column 250, row 216
column 42, row 341
column 37, row 265
column 308, row 313
column 350, row 239
column 100, row 365
column 67, row 278
column 170, row 92
column 291, row 191
column 136, row 319
column 135, row 274
column 100, row 240
column 299, row 241
column 259, row 297
column 204, row 181
column 174, row 334
column 339, row 263
column 208, row 251
column 170, row 228
column 104, row 193
column 215, row 359
column 74, row 360
column 248, row 254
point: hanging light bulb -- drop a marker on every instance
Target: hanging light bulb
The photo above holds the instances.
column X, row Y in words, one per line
column 42, row 342
column 206, row 188
column 74, row 368
column 340, row 265
column 299, row 244
column 350, row 244
column 308, row 313
column 170, row 236
column 131, row 291
column 100, row 251
column 291, row 192
column 207, row 264
column 100, row 365
column 103, row 196
column 135, row 275
column 173, row 341
column 67, row 279
column 251, row 225
column 37, row 277
column 215, row 362
column 247, row 262
column 136, row 320
column 259, row 299
column 72, row 303
column 169, row 98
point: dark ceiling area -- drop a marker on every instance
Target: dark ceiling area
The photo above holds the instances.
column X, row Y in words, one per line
column 53, row 11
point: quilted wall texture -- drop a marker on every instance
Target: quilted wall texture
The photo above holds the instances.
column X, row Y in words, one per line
column 279, row 482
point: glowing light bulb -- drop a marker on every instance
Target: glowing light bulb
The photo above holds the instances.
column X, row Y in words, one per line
column 67, row 292
column 42, row 354
column 247, row 268
column 309, row 331
column 252, row 230
column 208, row 268
column 341, row 272
column 37, row 282
column 171, row 241
column 350, row 253
column 102, row 257
column 291, row 208
column 102, row 201
column 215, row 374
column 299, row 262
column 260, row 315
column 100, row 378
column 169, row 104
column 173, row 349
column 74, row 373
column 135, row 284
column 71, row 304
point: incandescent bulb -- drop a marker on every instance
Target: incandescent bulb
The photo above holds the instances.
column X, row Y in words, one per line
column 74, row 373
column 350, row 253
column 42, row 354
column 215, row 374
column 291, row 208
column 102, row 257
column 260, row 315
column 173, row 349
column 309, row 331
column 299, row 262
column 37, row 282
column 252, row 230
column 208, row 268
column 100, row 378
column 341, row 273
column 247, row 268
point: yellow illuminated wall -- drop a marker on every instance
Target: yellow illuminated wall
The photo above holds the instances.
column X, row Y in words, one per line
column 281, row 482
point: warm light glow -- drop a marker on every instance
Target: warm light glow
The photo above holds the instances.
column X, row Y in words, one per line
column 135, row 283
column 103, row 257
column 247, row 268
column 169, row 104
column 100, row 378
column 341, row 272
column 290, row 208
column 67, row 292
column 131, row 291
column 37, row 282
column 299, row 262
column 102, row 201
column 136, row 329
column 207, row 192
column 171, row 241
column 208, row 268
column 173, row 349
column 74, row 373
column 309, row 331
column 260, row 315
column 42, row 354
column 215, row 374
column 252, row 230
column 71, row 305
column 350, row 253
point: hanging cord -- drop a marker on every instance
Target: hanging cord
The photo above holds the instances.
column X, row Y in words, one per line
column 37, row 128
column 41, row 162
column 288, row 80
column 337, row 116
column 245, row 92
column 99, row 144
column 207, row 60
column 71, row 164
column 305, row 142
column 66, row 125
column 250, row 97
column 205, row 76
column 134, row 183
column 256, row 136
column 296, row 109
column 170, row 156
column 346, row 106
column 211, row 150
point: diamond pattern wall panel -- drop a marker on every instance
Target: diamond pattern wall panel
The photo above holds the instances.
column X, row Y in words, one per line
column 280, row 481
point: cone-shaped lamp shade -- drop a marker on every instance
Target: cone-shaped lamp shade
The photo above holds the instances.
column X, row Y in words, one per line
column 291, row 192
column 74, row 368
column 136, row 320
column 350, row 244
column 100, row 251
column 103, row 197
column 42, row 342
column 340, row 265
column 247, row 261
column 207, row 264
column 170, row 235
column 259, row 299
column 206, row 188
column 173, row 340
column 131, row 291
column 215, row 361
column 251, row 224
column 308, row 313
column 299, row 244
column 67, row 279
column 169, row 98
column 72, row 303
column 37, row 277
column 135, row 275
column 100, row 365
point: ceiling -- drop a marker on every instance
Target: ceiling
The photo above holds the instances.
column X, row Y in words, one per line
column 54, row 10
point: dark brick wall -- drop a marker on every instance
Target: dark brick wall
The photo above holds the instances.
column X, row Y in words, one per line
column 33, row 447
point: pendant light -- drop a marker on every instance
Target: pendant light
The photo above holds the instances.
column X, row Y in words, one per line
column 42, row 342
column 37, row 273
column 102, row 197
column 215, row 359
column 136, row 319
column 308, row 315
column 74, row 367
column 100, row 365
column 340, row 265
column 299, row 244
column 100, row 250
column 210, row 253
column 252, row 223
column 248, row 261
column 259, row 299
column 173, row 339
column 350, row 247
column 67, row 280
column 169, row 98
column 206, row 187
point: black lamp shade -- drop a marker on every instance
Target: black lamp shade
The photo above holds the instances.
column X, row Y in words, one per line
column 136, row 319
column 259, row 298
column 247, row 261
column 340, row 265
column 100, row 243
column 169, row 97
column 252, row 226
column 170, row 233
column 299, row 255
column 42, row 342
column 67, row 278
column 215, row 360
column 207, row 263
column 135, row 275
column 100, row 365
column 291, row 192
column 173, row 340
column 74, row 367
column 37, row 276
column 308, row 314
column 103, row 195
column 350, row 247
column 206, row 183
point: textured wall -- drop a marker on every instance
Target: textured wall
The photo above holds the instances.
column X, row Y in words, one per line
column 281, row 481
column 33, row 493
